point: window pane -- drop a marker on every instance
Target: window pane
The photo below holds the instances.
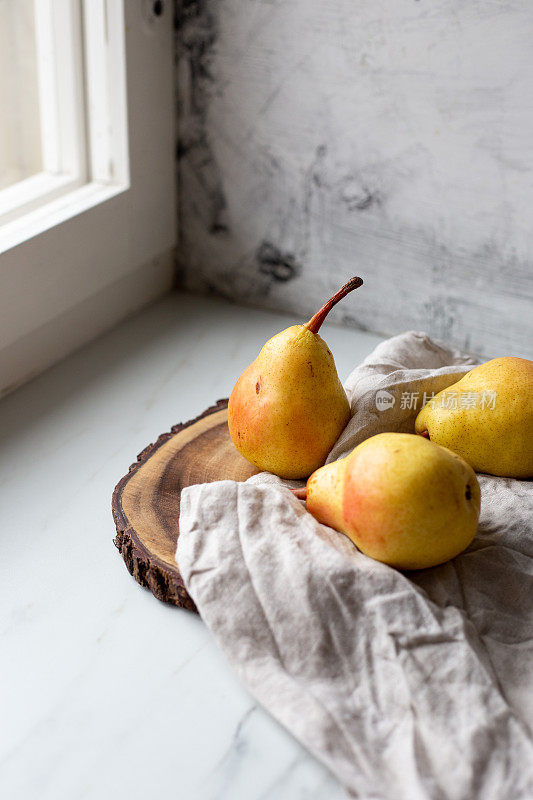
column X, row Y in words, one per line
column 20, row 132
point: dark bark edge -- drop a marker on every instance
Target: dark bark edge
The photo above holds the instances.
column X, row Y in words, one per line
column 163, row 581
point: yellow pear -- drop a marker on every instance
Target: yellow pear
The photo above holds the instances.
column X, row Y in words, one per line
column 486, row 417
column 289, row 407
column 400, row 498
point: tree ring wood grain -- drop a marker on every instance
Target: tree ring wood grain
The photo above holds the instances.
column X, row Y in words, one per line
column 146, row 500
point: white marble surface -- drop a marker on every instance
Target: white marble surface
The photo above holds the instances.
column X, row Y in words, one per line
column 104, row 691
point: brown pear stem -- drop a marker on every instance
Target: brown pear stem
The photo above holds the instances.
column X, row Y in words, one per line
column 425, row 434
column 301, row 494
column 315, row 322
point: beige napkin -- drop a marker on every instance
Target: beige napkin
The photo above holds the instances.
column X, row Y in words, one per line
column 406, row 685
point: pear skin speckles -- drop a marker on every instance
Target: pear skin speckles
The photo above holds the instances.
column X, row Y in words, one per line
column 288, row 408
column 400, row 498
column 495, row 436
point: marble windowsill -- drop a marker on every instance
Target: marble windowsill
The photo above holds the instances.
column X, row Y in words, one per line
column 104, row 691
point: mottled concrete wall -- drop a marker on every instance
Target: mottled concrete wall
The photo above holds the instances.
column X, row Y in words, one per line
column 393, row 140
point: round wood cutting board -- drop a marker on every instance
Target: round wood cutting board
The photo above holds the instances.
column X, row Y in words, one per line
column 146, row 501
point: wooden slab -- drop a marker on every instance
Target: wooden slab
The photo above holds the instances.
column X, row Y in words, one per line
column 146, row 501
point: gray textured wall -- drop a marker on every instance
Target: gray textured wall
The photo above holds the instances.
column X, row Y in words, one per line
column 393, row 140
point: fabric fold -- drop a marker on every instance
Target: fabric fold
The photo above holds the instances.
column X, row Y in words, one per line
column 406, row 685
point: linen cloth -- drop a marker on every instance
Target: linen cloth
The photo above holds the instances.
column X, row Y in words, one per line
column 406, row 685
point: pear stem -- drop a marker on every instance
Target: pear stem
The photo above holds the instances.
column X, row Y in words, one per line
column 315, row 322
column 301, row 494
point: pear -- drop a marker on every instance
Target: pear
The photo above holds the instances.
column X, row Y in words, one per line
column 486, row 417
column 289, row 407
column 400, row 498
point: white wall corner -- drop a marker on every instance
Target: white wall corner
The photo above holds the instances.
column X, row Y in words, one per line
column 33, row 353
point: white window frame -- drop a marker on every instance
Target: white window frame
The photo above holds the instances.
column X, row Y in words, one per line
column 82, row 117
column 58, row 31
column 105, row 237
